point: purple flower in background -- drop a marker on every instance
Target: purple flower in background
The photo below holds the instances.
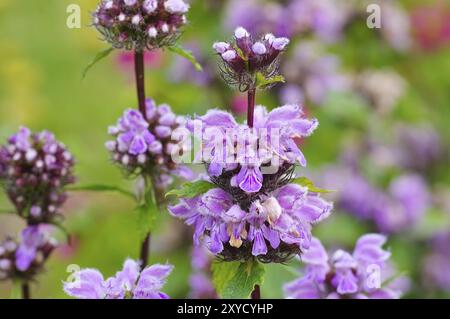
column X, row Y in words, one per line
column 184, row 71
column 437, row 263
column 34, row 169
column 418, row 147
column 360, row 275
column 141, row 24
column 326, row 18
column 24, row 259
column 200, row 280
column 397, row 209
column 313, row 74
column 129, row 283
column 141, row 145
column 407, row 201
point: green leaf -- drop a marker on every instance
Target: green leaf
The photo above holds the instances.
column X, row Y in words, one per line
column 235, row 279
column 99, row 56
column 147, row 210
column 102, row 188
column 192, row 189
column 146, row 218
column 187, row 55
column 262, row 81
column 305, row 182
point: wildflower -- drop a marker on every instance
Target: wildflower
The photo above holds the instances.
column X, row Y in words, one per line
column 34, row 169
column 273, row 229
column 358, row 275
column 245, row 58
column 140, row 24
column 129, row 283
column 143, row 145
column 24, row 259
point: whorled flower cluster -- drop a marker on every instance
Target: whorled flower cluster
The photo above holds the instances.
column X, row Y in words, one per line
column 140, row 24
column 145, row 145
column 23, row 260
column 245, row 57
column 34, row 169
column 129, row 283
column 365, row 273
column 252, row 211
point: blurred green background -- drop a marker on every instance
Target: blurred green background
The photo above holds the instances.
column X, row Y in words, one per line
column 41, row 61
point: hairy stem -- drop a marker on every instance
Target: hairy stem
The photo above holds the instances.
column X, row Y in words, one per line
column 256, row 293
column 26, row 290
column 140, row 80
column 251, row 106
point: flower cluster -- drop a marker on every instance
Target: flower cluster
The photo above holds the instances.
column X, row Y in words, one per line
column 363, row 274
column 129, row 283
column 140, row 24
column 143, row 145
column 245, row 58
column 25, row 259
column 253, row 210
column 34, row 169
column 252, row 160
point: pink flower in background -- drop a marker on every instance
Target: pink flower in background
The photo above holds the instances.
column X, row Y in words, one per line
column 431, row 25
column 125, row 61
column 239, row 104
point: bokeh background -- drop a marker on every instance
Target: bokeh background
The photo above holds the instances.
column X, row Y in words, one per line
column 382, row 98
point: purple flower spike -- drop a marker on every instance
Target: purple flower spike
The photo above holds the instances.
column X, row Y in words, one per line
column 140, row 24
column 34, row 169
column 141, row 145
column 129, row 283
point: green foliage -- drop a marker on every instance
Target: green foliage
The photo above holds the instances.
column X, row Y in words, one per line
column 263, row 82
column 102, row 188
column 98, row 57
column 305, row 182
column 191, row 189
column 187, row 55
column 236, row 280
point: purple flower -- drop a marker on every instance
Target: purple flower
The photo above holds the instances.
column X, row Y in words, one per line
column 314, row 74
column 272, row 140
column 285, row 218
column 246, row 57
column 359, row 275
column 129, row 283
column 437, row 263
column 200, row 280
column 34, row 169
column 140, row 24
column 141, row 145
column 397, row 209
column 24, row 259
